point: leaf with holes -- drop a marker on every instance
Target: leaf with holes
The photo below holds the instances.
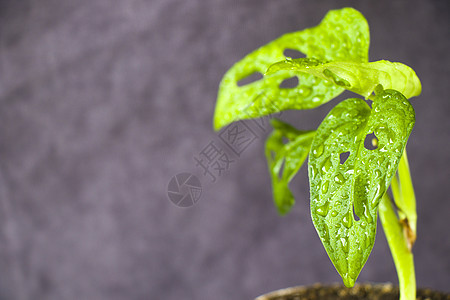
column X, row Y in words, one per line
column 360, row 182
column 285, row 159
column 342, row 35
column 359, row 77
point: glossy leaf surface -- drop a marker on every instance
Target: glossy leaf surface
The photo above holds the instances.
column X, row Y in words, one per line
column 342, row 35
column 286, row 151
column 358, row 77
column 340, row 189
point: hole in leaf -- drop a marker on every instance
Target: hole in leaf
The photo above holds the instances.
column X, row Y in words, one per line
column 289, row 83
column 280, row 172
column 285, row 140
column 355, row 216
column 371, row 142
column 294, row 54
column 250, row 78
column 343, row 157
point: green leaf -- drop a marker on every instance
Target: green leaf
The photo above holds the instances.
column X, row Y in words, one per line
column 342, row 35
column 358, row 77
column 285, row 159
column 359, row 182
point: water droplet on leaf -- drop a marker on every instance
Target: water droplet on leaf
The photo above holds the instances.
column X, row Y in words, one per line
column 327, row 165
column 325, row 187
column 344, row 244
column 318, row 151
column 305, row 91
column 326, row 234
column 323, row 209
column 377, row 173
column 347, row 220
column 339, row 178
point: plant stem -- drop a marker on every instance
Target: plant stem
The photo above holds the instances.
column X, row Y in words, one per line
column 401, row 231
column 408, row 198
column 403, row 257
column 405, row 200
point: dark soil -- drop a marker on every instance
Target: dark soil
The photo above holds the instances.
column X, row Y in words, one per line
column 358, row 292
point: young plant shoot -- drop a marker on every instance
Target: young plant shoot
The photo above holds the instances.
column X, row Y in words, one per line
column 357, row 152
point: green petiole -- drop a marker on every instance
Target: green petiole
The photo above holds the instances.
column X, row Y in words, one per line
column 401, row 231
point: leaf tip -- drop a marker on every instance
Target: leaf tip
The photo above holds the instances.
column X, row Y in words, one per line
column 348, row 280
column 282, row 211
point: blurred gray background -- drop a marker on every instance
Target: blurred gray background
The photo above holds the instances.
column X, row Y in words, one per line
column 102, row 102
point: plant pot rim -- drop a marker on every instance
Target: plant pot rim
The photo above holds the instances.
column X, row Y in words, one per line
column 338, row 291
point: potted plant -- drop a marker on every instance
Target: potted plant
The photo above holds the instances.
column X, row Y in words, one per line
column 356, row 153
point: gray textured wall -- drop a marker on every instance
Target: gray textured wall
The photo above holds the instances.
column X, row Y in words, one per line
column 102, row 102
